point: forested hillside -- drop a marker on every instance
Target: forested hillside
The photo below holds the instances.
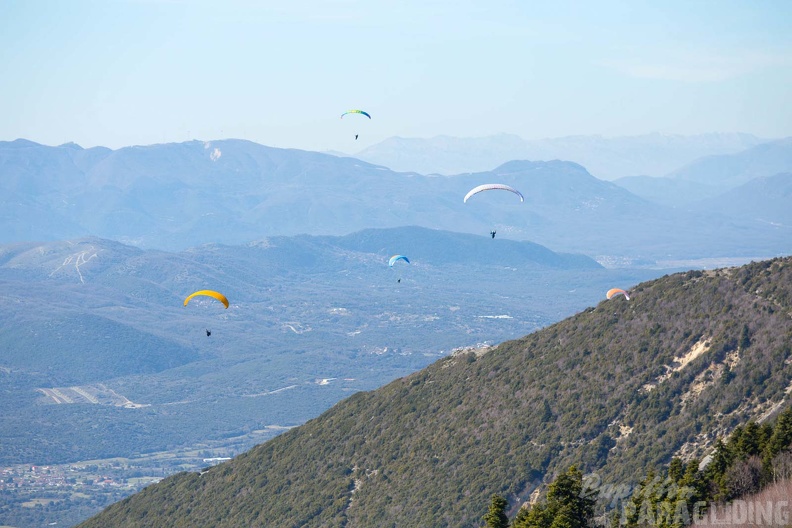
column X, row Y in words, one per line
column 620, row 388
column 746, row 481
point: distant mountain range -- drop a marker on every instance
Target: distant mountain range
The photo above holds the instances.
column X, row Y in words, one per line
column 617, row 389
column 730, row 170
column 711, row 176
column 766, row 200
column 669, row 192
column 176, row 196
column 605, row 158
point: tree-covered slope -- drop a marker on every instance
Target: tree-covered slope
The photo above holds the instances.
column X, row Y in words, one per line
column 619, row 388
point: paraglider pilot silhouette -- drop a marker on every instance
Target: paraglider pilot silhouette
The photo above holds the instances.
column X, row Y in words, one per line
column 492, row 233
column 208, row 332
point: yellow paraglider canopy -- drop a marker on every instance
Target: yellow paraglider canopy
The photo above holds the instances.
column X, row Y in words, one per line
column 209, row 293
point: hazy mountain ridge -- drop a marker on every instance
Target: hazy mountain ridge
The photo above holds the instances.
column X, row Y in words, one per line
column 669, row 192
column 462, row 248
column 764, row 200
column 618, row 388
column 731, row 170
column 710, row 177
column 606, row 158
column 180, row 195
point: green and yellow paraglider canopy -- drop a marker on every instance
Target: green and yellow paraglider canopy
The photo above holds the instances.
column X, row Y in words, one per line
column 355, row 112
column 208, row 293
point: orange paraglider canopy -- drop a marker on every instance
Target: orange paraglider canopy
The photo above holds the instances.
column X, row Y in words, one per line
column 617, row 291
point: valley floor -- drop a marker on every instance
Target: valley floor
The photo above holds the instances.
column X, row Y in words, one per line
column 66, row 494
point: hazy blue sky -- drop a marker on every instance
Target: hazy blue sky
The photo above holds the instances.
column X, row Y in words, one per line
column 116, row 73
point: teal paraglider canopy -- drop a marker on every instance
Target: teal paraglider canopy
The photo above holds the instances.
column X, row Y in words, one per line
column 394, row 258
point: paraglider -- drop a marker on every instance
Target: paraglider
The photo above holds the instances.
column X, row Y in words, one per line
column 393, row 260
column 361, row 112
column 613, row 292
column 490, row 187
column 208, row 293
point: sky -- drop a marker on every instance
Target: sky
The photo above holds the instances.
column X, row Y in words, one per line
column 137, row 72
